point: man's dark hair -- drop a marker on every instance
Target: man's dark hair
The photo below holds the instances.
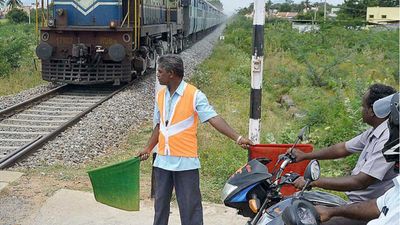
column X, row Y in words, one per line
column 171, row 63
column 378, row 91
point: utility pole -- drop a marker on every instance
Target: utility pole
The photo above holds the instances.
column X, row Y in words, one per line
column 325, row 10
column 257, row 64
column 36, row 21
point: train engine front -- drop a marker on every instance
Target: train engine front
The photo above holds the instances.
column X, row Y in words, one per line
column 89, row 41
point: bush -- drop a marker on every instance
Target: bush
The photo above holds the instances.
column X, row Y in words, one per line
column 16, row 46
column 16, row 15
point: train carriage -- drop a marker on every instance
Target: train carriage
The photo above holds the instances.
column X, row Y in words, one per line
column 100, row 41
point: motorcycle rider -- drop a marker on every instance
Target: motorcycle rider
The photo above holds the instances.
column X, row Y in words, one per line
column 384, row 210
column 372, row 175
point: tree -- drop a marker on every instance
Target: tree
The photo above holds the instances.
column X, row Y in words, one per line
column 2, row 2
column 357, row 9
column 16, row 15
column 285, row 7
column 268, row 7
column 14, row 3
column 388, row 3
column 246, row 10
column 268, row 4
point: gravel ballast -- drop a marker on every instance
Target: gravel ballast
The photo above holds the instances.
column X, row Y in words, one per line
column 10, row 100
column 106, row 126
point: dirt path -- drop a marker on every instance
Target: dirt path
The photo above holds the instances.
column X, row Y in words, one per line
column 55, row 198
column 23, row 198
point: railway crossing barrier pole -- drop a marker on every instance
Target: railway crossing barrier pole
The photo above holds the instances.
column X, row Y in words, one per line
column 257, row 64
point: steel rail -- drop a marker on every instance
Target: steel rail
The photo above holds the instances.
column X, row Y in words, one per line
column 5, row 113
column 16, row 155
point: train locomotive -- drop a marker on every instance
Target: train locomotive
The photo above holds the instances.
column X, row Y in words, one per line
column 103, row 41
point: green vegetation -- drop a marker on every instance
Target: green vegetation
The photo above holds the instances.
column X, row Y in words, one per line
column 17, row 15
column 325, row 73
column 18, row 69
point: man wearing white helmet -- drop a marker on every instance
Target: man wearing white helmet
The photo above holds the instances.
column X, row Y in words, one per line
column 384, row 210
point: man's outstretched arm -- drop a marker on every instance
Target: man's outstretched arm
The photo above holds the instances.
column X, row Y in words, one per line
column 223, row 127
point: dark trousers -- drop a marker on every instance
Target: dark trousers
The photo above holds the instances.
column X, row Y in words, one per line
column 187, row 189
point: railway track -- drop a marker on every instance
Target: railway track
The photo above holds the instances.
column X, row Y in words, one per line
column 27, row 126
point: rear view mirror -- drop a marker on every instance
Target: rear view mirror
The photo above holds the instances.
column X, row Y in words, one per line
column 313, row 171
column 303, row 135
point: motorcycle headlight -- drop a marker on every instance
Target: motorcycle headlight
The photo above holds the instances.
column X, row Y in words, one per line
column 306, row 216
column 228, row 189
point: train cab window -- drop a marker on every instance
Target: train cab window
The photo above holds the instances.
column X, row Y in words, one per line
column 383, row 16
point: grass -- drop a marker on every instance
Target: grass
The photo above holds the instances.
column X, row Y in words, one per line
column 21, row 79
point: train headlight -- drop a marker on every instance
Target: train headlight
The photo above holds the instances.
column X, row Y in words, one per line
column 116, row 52
column 44, row 51
column 113, row 24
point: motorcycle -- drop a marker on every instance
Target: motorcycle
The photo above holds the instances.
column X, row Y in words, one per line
column 255, row 192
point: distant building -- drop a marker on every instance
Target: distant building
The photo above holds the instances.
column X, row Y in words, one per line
column 286, row 15
column 383, row 15
column 26, row 8
column 333, row 13
column 273, row 13
column 305, row 26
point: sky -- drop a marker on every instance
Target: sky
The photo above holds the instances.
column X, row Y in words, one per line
column 230, row 6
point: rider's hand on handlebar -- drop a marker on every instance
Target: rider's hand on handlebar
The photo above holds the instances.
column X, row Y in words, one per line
column 297, row 154
column 324, row 212
column 299, row 183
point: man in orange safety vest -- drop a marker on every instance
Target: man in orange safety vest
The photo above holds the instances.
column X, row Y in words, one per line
column 178, row 108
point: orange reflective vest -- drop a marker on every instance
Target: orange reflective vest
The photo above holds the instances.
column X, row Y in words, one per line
column 179, row 136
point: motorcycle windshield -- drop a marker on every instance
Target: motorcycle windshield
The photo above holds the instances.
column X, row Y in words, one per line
column 251, row 173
